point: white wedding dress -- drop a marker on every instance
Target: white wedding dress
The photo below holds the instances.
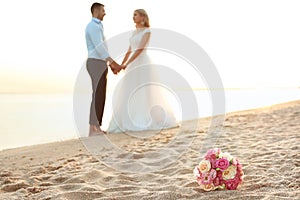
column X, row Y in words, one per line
column 139, row 101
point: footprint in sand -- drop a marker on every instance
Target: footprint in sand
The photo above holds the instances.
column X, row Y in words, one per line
column 75, row 180
column 53, row 168
column 140, row 143
column 169, row 136
column 5, row 174
column 14, row 186
column 59, row 178
column 42, row 178
column 38, row 171
column 35, row 190
column 69, row 187
column 138, row 156
column 9, row 180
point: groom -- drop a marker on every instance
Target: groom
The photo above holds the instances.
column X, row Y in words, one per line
column 98, row 59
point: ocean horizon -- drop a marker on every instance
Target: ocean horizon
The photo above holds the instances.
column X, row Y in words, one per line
column 29, row 119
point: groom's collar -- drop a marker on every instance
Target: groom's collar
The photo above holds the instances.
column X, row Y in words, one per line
column 98, row 21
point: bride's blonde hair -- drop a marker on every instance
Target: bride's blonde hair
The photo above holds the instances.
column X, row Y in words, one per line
column 146, row 18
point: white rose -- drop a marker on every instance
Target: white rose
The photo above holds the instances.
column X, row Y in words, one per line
column 229, row 173
column 226, row 155
column 204, row 166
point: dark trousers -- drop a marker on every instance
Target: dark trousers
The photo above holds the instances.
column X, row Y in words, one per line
column 97, row 70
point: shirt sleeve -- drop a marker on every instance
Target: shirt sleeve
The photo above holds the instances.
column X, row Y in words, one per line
column 96, row 36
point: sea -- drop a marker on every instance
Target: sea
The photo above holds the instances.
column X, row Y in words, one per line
column 30, row 119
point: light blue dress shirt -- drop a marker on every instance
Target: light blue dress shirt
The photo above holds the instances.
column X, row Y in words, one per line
column 95, row 40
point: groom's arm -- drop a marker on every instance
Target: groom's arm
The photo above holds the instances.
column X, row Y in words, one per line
column 96, row 36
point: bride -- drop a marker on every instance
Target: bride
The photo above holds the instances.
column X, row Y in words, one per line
column 139, row 101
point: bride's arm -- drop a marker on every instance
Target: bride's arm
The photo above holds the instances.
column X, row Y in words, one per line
column 126, row 55
column 142, row 45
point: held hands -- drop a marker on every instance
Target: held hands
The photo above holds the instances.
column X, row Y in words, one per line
column 115, row 67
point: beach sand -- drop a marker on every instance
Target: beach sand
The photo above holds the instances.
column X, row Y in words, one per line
column 160, row 166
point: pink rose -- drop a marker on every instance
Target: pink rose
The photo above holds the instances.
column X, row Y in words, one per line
column 213, row 173
column 239, row 167
column 232, row 184
column 240, row 170
column 219, row 174
column 212, row 154
column 239, row 176
column 213, row 164
column 222, row 164
column 208, row 177
column 199, row 181
column 205, row 179
column 216, row 181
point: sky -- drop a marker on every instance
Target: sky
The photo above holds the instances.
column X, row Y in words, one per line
column 252, row 43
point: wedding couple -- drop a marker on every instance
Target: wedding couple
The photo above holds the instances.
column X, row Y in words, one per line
column 137, row 105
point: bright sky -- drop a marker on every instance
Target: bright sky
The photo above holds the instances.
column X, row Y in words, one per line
column 253, row 43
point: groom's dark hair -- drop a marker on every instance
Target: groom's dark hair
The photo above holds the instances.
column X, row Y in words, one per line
column 95, row 5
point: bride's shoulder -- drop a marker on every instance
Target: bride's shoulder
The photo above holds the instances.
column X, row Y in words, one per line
column 140, row 31
column 147, row 30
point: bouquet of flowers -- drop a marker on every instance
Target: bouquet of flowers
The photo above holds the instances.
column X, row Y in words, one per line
column 218, row 170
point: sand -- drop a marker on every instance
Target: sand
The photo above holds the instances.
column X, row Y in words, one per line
column 160, row 165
